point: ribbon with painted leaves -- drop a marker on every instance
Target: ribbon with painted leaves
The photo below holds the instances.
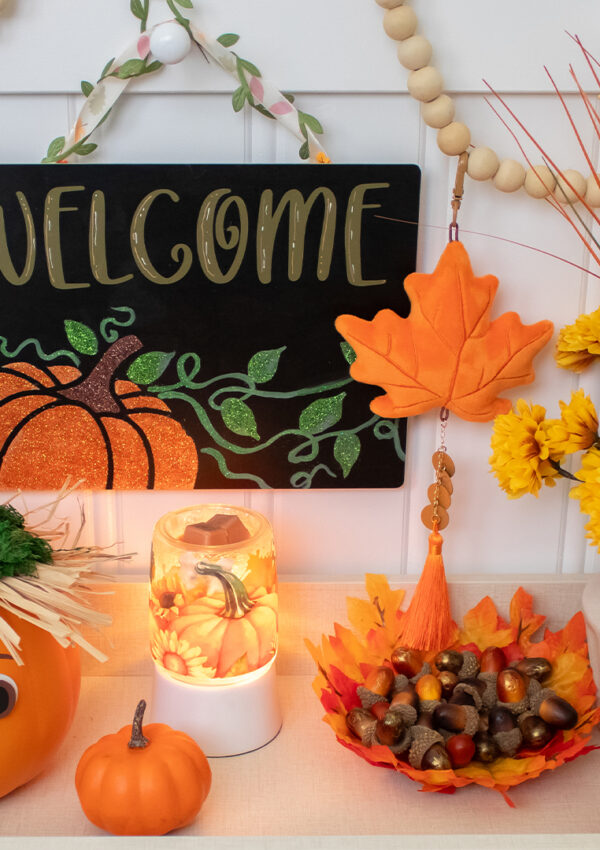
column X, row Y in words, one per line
column 136, row 61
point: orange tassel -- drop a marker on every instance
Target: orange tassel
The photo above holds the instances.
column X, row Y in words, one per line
column 428, row 622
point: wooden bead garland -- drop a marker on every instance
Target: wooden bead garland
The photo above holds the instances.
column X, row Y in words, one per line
column 454, row 138
column 483, row 163
column 414, row 52
column 569, row 186
column 437, row 110
column 539, row 181
column 592, row 193
column 425, row 84
column 510, row 176
column 400, row 23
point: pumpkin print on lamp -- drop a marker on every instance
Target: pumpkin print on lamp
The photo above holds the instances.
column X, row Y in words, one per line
column 213, row 627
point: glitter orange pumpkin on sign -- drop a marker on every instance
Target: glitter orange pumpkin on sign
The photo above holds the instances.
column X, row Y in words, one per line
column 57, row 423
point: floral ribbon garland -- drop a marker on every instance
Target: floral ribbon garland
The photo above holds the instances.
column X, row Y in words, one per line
column 134, row 61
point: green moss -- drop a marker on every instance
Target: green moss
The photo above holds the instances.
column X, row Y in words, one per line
column 20, row 550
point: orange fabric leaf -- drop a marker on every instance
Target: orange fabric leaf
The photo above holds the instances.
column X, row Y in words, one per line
column 484, row 627
column 447, row 353
column 523, row 620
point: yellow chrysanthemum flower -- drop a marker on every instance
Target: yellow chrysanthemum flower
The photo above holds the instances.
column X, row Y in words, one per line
column 588, row 493
column 578, row 426
column 178, row 657
column 521, row 450
column 579, row 344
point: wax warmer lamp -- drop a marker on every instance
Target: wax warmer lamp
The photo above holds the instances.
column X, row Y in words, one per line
column 213, row 621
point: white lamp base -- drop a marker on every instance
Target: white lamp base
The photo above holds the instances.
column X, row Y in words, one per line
column 225, row 719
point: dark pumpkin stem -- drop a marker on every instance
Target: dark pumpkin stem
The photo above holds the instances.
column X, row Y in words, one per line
column 237, row 601
column 95, row 391
column 138, row 740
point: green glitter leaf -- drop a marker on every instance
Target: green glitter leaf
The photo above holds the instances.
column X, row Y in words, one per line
column 249, row 66
column 263, row 365
column 304, row 151
column 346, row 450
column 148, row 367
column 348, row 352
column 321, row 414
column 238, row 417
column 87, row 88
column 228, row 39
column 82, row 338
column 137, row 9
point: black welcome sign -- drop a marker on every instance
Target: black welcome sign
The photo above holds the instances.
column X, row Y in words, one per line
column 170, row 326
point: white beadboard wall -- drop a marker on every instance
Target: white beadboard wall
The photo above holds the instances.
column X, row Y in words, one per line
column 335, row 56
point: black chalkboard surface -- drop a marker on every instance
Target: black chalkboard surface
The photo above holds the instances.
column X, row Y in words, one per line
column 168, row 326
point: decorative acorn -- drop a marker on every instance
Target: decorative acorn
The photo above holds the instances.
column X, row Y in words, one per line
column 535, row 668
column 406, row 661
column 449, row 660
column 362, row 724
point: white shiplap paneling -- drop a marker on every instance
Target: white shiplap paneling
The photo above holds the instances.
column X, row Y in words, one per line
column 336, row 57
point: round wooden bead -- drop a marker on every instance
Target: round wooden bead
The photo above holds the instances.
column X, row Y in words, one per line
column 454, row 138
column 510, row 176
column 425, row 84
column 570, row 194
column 400, row 22
column 414, row 52
column 483, row 163
column 592, row 192
column 438, row 113
column 539, row 181
column 389, row 4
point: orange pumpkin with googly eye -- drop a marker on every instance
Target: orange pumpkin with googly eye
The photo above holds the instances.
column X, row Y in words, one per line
column 37, row 702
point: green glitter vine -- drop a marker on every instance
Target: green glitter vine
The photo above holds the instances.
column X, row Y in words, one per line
column 223, row 404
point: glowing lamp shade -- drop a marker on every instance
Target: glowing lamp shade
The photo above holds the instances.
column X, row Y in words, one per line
column 213, row 627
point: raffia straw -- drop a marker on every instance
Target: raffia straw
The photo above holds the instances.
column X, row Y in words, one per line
column 55, row 598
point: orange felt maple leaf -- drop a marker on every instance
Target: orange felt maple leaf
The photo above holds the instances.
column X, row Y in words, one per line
column 447, row 353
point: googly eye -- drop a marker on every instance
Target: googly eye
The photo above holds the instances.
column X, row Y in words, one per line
column 9, row 694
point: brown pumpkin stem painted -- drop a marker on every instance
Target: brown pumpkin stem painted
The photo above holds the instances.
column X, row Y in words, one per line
column 237, row 601
column 95, row 390
column 138, row 740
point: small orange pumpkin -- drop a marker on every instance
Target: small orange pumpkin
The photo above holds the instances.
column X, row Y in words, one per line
column 37, row 702
column 237, row 632
column 57, row 423
column 143, row 782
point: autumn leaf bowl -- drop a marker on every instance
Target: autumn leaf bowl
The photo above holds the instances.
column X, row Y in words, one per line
column 345, row 659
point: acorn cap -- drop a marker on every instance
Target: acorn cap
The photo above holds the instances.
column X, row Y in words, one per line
column 489, row 696
column 368, row 698
column 369, row 738
column 524, row 716
column 407, row 712
column 538, row 698
column 470, row 665
column 534, row 690
column 429, row 705
column 424, row 671
column 515, row 707
column 472, row 722
column 465, row 687
column 403, row 744
column 508, row 742
column 422, row 739
column 400, row 683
